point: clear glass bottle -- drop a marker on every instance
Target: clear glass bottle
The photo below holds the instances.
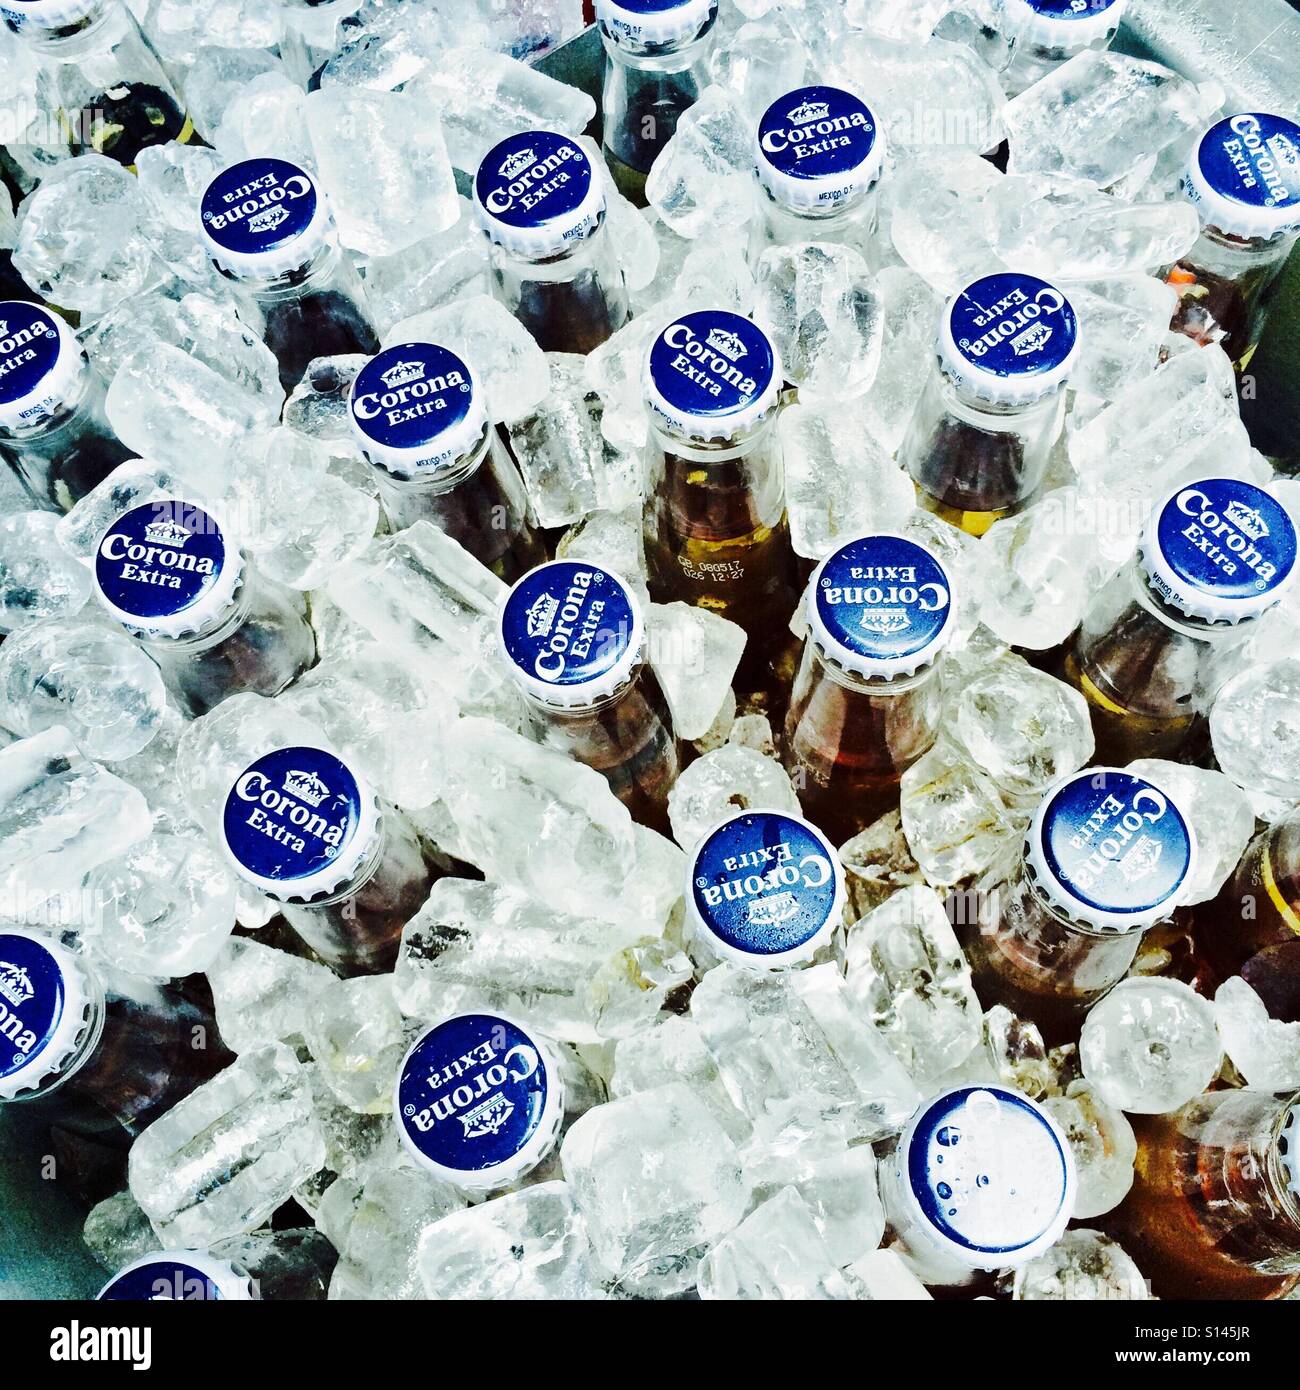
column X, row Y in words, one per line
column 820, row 155
column 420, row 416
column 105, row 83
column 479, row 1101
column 764, row 890
column 268, row 229
column 553, row 265
column 302, row 827
column 54, row 434
column 980, row 1179
column 174, row 577
column 574, row 640
column 715, row 523
column 656, row 66
column 1243, row 182
column 1046, row 33
column 275, row 1266
column 865, row 703
column 1106, row 857
column 991, row 409
column 1216, row 554
column 1214, row 1211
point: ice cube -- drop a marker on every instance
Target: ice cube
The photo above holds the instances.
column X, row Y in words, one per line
column 216, row 77
column 429, row 274
column 266, row 117
column 1082, row 1266
column 694, row 654
column 1265, row 1050
column 1123, row 319
column 719, row 784
column 703, row 180
column 38, row 578
column 117, row 1232
column 1255, row 727
column 675, row 1050
column 910, row 309
column 358, row 1037
column 877, row 862
column 613, row 540
column 955, row 822
column 759, row 63
column 262, row 994
column 1014, row 1048
column 936, row 222
column 1103, row 1145
column 884, row 1277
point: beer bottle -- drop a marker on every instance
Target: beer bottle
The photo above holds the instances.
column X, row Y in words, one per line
column 479, row 1101
column 1242, row 180
column 302, row 827
column 715, row 523
column 421, row 418
column 54, row 434
column 820, row 156
column 574, row 639
column 1215, row 555
column 1214, row 1211
column 268, row 229
column 99, row 1055
column 542, row 206
column 106, row 83
column 1106, row 856
column 656, row 65
column 275, row 1266
column 764, row 890
column 992, row 407
column 175, row 579
column 865, row 703
column 1046, row 33
column 980, row 1179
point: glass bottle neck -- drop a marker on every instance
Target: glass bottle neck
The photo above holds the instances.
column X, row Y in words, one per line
column 437, row 481
column 666, row 59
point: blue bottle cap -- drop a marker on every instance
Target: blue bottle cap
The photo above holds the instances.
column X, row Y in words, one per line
column 537, row 193
column 479, row 1100
column 179, row 1276
column 572, row 633
column 712, row 375
column 41, row 364
column 1011, row 339
column 1070, row 25
column 48, row 1001
column 819, row 147
column 166, row 569
column 765, row 889
column 263, row 217
column 987, row 1176
column 1109, row 850
column 1244, row 175
column 1220, row 549
column 417, row 408
column 298, row 823
column 881, row 607
column 642, row 24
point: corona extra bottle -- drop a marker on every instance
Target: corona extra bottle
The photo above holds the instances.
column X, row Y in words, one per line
column 175, row 579
column 1046, row 33
column 574, row 639
column 991, row 409
column 1244, row 180
column 1214, row 1211
column 542, row 206
column 1216, row 554
column 1106, row 856
column 275, row 1266
column 715, row 522
column 865, row 702
column 421, row 418
column 980, row 1179
column 104, row 79
column 53, row 431
column 820, row 155
column 302, row 827
column 656, row 66
column 101, row 1056
column 764, row 890
column 479, row 1101
column 268, row 229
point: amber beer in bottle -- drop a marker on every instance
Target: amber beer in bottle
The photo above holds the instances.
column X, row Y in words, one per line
column 574, row 639
column 994, row 403
column 715, row 523
column 865, row 702
column 1214, row 1211
column 1216, row 554
column 1106, row 857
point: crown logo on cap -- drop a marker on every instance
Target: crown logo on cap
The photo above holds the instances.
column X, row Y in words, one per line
column 1247, row 520
column 1033, row 339
column 884, row 620
column 15, row 984
column 403, row 373
column 767, row 912
column 809, row 112
column 306, row 786
column 488, row 1117
column 167, row 532
column 1141, row 859
column 268, row 220
column 727, row 343
column 517, row 163
column 541, row 615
